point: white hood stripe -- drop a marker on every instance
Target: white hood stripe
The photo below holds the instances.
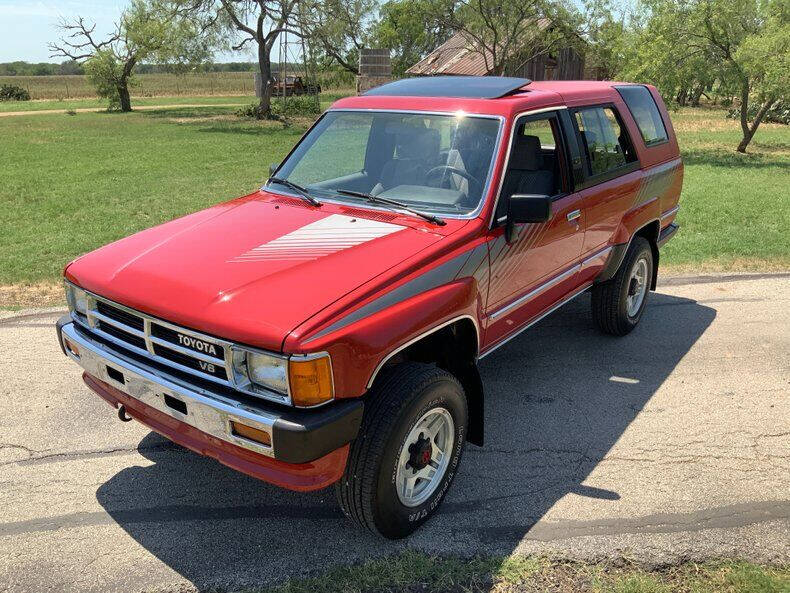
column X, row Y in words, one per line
column 320, row 238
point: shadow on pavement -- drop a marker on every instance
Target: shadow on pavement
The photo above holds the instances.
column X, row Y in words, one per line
column 558, row 398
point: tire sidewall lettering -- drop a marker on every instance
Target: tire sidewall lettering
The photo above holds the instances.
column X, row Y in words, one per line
column 425, row 509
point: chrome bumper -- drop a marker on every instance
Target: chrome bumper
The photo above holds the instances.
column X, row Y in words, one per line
column 297, row 436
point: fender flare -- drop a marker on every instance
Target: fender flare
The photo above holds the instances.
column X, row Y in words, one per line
column 620, row 249
column 382, row 363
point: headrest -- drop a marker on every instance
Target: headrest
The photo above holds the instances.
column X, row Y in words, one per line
column 526, row 154
column 419, row 143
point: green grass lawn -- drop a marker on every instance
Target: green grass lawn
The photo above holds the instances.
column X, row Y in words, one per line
column 411, row 572
column 735, row 208
column 73, row 183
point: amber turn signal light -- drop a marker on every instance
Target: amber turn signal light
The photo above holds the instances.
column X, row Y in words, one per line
column 310, row 381
column 71, row 347
column 250, row 433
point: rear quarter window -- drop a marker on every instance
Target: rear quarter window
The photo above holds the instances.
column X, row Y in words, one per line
column 645, row 112
column 604, row 141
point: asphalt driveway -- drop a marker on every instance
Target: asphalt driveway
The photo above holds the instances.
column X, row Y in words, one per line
column 670, row 444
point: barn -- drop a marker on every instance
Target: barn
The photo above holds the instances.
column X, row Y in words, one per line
column 458, row 56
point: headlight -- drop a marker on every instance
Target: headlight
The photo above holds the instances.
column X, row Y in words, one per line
column 307, row 379
column 77, row 299
column 268, row 371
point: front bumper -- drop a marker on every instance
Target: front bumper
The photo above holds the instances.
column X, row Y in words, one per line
column 308, row 447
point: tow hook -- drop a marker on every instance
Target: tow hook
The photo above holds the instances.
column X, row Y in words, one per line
column 122, row 414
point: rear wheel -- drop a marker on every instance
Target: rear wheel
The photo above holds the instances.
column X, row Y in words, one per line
column 618, row 304
column 407, row 452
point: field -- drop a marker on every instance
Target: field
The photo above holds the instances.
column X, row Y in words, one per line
column 100, row 104
column 73, row 183
column 64, row 87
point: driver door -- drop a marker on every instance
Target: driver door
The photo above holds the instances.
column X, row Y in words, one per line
column 536, row 268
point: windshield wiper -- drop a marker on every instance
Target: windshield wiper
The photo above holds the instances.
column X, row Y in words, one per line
column 379, row 200
column 303, row 193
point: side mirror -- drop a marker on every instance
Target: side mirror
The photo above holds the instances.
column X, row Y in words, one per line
column 272, row 168
column 526, row 208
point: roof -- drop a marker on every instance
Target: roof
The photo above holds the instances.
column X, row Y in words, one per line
column 536, row 95
column 458, row 56
column 478, row 87
column 454, row 56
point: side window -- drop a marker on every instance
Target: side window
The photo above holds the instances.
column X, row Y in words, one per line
column 536, row 160
column 604, row 140
column 645, row 111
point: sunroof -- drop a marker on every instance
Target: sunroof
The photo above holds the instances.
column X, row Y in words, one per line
column 478, row 87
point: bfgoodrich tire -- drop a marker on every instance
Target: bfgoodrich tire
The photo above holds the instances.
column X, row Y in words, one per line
column 407, row 452
column 618, row 304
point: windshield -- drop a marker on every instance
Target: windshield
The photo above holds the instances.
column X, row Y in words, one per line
column 436, row 163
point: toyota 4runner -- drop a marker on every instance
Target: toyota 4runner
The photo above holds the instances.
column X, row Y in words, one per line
column 326, row 329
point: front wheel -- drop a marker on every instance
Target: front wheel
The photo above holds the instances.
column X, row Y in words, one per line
column 407, row 452
column 618, row 304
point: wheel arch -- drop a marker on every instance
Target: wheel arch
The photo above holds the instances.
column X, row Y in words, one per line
column 454, row 346
column 649, row 231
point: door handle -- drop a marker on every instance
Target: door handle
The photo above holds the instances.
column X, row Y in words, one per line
column 574, row 215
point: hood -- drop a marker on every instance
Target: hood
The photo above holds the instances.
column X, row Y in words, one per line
column 253, row 269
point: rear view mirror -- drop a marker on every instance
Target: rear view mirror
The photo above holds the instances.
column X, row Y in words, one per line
column 272, row 168
column 526, row 208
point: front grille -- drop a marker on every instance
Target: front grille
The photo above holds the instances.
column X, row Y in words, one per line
column 187, row 341
column 191, row 352
column 204, row 359
column 120, row 315
column 215, row 369
column 119, row 334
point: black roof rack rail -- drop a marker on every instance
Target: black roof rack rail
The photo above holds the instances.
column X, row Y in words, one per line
column 468, row 87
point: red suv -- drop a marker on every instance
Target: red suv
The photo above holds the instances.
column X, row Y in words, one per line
column 326, row 329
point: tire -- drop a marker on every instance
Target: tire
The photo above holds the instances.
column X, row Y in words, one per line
column 612, row 310
column 400, row 399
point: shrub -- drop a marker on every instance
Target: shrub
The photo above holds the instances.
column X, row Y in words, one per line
column 10, row 92
column 248, row 110
column 779, row 113
column 297, row 106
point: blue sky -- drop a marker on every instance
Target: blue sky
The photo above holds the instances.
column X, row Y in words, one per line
column 27, row 26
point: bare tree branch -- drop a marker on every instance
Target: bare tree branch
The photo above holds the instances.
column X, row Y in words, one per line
column 231, row 12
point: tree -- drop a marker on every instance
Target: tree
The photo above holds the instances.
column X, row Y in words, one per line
column 402, row 27
column 607, row 39
column 508, row 34
column 686, row 46
column 766, row 59
column 258, row 22
column 338, row 28
column 148, row 29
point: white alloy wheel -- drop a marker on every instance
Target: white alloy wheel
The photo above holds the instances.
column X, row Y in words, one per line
column 637, row 287
column 424, row 457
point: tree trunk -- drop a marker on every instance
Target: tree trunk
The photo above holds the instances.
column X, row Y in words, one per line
column 747, row 136
column 123, row 94
column 123, row 84
column 748, row 131
column 697, row 95
column 265, row 66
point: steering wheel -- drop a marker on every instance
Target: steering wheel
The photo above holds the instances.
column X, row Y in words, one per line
column 448, row 168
